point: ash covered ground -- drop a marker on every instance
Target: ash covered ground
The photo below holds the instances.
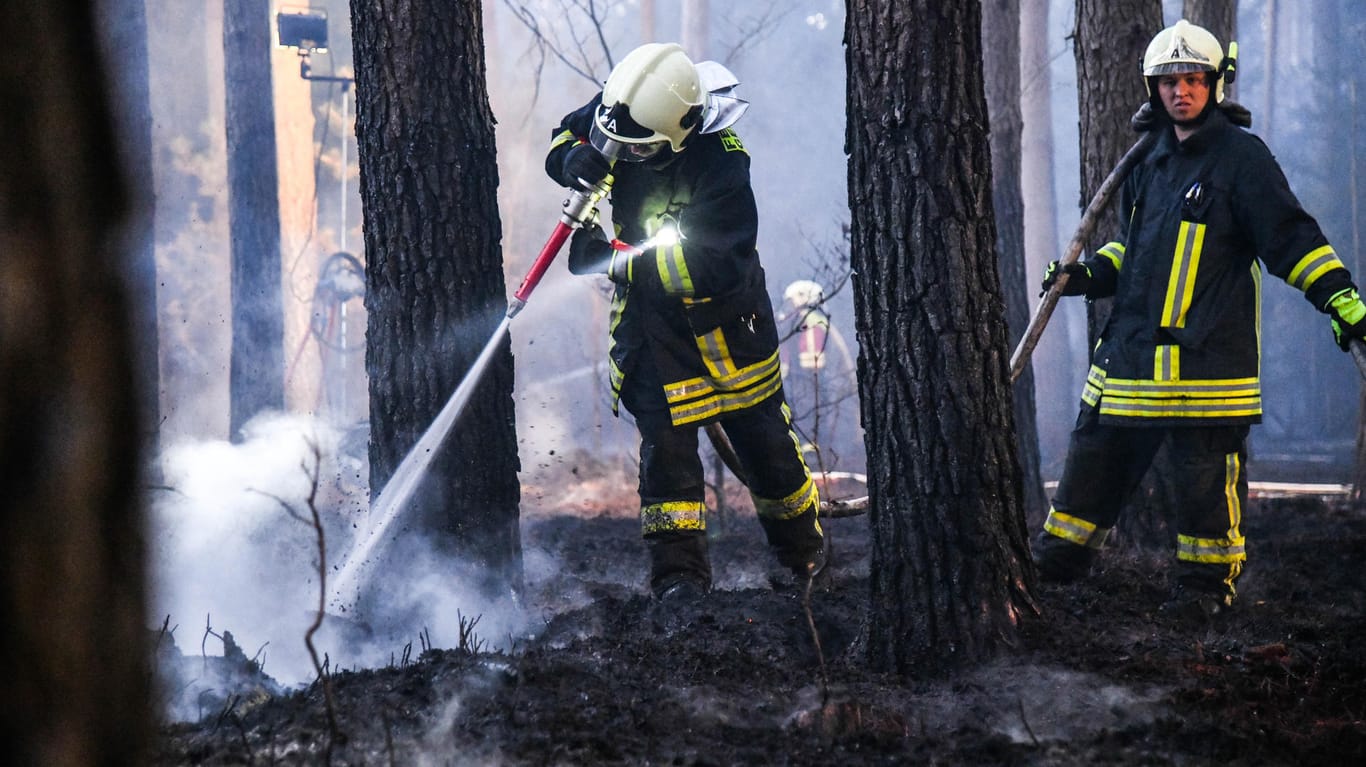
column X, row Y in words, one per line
column 744, row 677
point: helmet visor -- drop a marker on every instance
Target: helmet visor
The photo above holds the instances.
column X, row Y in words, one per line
column 623, row 150
column 1177, row 68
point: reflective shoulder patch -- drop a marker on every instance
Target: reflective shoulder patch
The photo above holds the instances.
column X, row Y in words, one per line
column 731, row 142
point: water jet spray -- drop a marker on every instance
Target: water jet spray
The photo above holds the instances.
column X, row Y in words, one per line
column 580, row 208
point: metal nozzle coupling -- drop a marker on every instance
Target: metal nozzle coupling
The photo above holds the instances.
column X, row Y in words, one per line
column 581, row 205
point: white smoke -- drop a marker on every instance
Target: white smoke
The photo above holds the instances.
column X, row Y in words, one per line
column 228, row 555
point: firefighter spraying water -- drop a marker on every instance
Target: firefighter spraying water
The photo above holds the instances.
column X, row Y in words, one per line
column 698, row 335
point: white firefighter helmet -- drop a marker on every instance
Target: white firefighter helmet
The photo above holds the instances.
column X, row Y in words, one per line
column 804, row 293
column 1185, row 47
column 652, row 97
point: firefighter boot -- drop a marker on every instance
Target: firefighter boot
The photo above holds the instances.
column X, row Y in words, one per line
column 1204, row 592
column 801, row 546
column 679, row 568
column 1060, row 560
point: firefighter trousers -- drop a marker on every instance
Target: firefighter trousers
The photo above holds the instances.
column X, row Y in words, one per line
column 1106, row 463
column 672, row 490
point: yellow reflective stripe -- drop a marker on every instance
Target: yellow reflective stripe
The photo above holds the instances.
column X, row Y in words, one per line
column 1075, row 529
column 1257, row 302
column 1232, row 471
column 1217, row 398
column 673, row 515
column 794, row 505
column 673, row 270
column 723, row 402
column 1167, row 363
column 1313, row 265
column 1213, row 388
column 1181, row 282
column 1095, row 384
column 1114, row 251
column 716, row 354
column 733, row 382
column 1210, row 550
column 1140, row 408
column 563, row 137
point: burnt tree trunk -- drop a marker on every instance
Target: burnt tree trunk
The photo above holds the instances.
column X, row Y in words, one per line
column 257, row 370
column 434, row 275
column 1109, row 41
column 1001, row 65
column 950, row 571
column 74, row 673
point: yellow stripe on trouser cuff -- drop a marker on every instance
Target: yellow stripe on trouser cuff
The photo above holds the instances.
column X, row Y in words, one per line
column 1075, row 529
column 1210, row 550
column 794, row 505
column 673, row 515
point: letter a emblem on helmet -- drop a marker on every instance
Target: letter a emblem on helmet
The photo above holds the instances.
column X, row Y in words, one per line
column 1182, row 51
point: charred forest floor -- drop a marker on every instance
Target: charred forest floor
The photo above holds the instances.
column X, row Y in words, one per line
column 611, row 677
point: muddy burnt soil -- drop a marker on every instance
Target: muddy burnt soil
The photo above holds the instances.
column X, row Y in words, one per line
column 612, row 678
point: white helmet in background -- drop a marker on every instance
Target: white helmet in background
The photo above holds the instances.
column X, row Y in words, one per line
column 652, row 98
column 804, row 293
column 1185, row 47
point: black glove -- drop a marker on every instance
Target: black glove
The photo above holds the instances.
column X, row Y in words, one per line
column 585, row 167
column 1078, row 278
column 1348, row 317
column 590, row 252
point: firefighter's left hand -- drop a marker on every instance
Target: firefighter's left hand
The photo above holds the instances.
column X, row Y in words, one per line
column 1348, row 317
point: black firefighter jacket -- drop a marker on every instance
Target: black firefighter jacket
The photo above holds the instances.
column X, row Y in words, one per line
column 1198, row 219
column 698, row 309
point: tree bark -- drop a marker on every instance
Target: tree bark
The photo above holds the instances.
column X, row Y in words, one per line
column 257, row 367
column 74, row 673
column 950, row 568
column 434, row 276
column 1001, row 65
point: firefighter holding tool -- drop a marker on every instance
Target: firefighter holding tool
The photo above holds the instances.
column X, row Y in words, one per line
column 693, row 339
column 1179, row 358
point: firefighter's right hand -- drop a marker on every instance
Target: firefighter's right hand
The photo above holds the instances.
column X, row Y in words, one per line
column 585, row 167
column 1348, row 317
column 1078, row 278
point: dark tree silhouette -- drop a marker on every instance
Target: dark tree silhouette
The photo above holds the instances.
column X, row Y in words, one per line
column 73, row 637
column 257, row 375
column 1001, row 68
column 434, row 275
column 123, row 28
column 950, row 572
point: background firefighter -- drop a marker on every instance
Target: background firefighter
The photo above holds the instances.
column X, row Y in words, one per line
column 1179, row 357
column 693, row 339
